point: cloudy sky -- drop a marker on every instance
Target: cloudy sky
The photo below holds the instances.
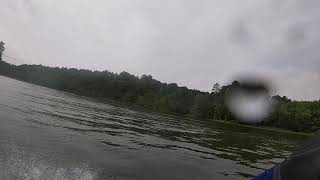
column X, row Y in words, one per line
column 192, row 43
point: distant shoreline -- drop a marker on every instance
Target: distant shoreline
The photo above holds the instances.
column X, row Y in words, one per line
column 150, row 95
column 139, row 108
column 266, row 128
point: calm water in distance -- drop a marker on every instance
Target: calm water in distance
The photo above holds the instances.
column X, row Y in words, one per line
column 47, row 134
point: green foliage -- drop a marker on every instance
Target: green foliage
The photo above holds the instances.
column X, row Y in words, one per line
column 297, row 116
column 201, row 107
column 141, row 91
column 216, row 88
column 153, row 95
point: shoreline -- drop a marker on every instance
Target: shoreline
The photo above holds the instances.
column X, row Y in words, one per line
column 265, row 128
column 140, row 108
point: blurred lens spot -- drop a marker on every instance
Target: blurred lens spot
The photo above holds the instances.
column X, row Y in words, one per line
column 249, row 101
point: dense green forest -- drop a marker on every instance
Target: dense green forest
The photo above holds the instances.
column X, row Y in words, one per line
column 153, row 95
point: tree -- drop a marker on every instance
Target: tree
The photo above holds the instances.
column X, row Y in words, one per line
column 216, row 88
column 162, row 97
column 202, row 107
column 1, row 49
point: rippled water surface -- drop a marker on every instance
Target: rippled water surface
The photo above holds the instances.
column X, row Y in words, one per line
column 47, row 134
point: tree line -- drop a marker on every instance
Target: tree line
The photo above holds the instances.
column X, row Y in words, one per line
column 1, row 49
column 153, row 95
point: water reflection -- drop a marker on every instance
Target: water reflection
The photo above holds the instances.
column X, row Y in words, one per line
column 211, row 148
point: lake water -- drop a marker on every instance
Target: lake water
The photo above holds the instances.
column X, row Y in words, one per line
column 47, row 134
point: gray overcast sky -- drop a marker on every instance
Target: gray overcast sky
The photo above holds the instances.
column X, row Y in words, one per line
column 192, row 43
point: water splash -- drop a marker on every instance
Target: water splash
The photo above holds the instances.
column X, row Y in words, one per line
column 17, row 164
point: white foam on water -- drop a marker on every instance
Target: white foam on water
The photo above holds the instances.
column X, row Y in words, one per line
column 16, row 164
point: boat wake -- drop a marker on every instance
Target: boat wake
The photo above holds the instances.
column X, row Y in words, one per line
column 17, row 164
